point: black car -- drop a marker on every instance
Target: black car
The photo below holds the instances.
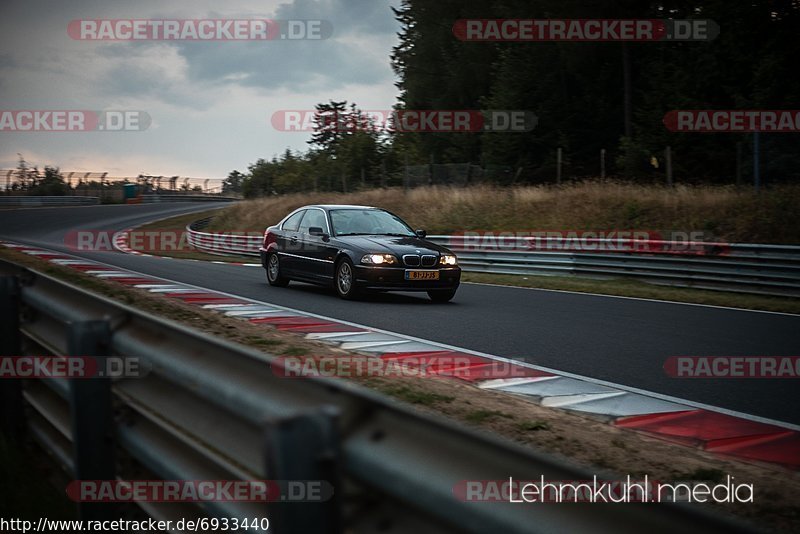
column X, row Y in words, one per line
column 354, row 248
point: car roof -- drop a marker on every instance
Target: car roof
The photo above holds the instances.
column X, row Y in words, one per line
column 341, row 206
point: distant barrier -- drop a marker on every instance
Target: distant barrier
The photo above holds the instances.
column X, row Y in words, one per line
column 151, row 199
column 34, row 201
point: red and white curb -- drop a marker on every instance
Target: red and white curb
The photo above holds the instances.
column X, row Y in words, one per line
column 684, row 422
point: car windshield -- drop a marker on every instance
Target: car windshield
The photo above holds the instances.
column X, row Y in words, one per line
column 368, row 222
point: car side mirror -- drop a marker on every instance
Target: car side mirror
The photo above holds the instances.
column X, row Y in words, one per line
column 421, row 234
column 317, row 231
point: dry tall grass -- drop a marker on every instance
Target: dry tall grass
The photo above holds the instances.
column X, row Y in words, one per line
column 726, row 213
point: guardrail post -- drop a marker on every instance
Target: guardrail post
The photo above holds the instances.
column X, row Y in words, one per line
column 91, row 411
column 305, row 448
column 756, row 161
column 10, row 389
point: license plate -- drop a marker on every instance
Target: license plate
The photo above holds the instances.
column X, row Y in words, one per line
column 422, row 275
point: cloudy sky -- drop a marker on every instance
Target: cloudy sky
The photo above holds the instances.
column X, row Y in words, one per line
column 210, row 102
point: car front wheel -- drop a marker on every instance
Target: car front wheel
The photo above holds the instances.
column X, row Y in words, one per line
column 442, row 295
column 274, row 276
column 345, row 280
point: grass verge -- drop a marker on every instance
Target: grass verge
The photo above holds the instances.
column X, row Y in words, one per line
column 723, row 213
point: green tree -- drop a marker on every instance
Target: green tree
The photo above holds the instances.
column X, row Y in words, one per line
column 233, row 183
column 51, row 184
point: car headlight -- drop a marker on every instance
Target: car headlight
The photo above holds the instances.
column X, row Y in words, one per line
column 448, row 259
column 379, row 259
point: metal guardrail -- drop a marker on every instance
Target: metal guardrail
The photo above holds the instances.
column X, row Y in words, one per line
column 737, row 267
column 213, row 410
column 149, row 199
column 223, row 243
column 37, row 201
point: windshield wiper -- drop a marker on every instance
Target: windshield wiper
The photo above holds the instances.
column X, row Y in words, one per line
column 370, row 233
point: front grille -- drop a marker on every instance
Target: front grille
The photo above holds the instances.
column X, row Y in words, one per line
column 412, row 260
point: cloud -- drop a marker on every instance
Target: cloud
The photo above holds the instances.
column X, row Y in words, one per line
column 210, row 101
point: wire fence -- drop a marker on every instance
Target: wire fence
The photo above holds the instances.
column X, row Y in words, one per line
column 82, row 183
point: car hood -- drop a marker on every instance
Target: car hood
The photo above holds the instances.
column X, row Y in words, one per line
column 394, row 245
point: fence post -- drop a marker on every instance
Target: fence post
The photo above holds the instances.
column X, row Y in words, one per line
column 10, row 389
column 668, row 157
column 405, row 176
column 738, row 163
column 103, row 187
column 91, row 412
column 303, row 449
column 602, row 163
column 558, row 165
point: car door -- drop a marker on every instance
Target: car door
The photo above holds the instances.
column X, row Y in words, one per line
column 287, row 242
column 313, row 248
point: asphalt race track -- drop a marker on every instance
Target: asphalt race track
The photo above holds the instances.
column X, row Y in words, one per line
column 624, row 341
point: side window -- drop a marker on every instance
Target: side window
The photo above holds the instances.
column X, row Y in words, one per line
column 293, row 222
column 313, row 218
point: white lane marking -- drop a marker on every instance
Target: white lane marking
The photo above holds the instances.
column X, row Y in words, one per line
column 322, row 336
column 502, row 383
column 68, row 262
column 372, row 344
column 559, row 401
column 587, row 294
column 178, row 289
column 255, row 314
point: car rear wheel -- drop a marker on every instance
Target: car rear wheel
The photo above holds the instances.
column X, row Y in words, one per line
column 345, row 280
column 442, row 295
column 274, row 276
